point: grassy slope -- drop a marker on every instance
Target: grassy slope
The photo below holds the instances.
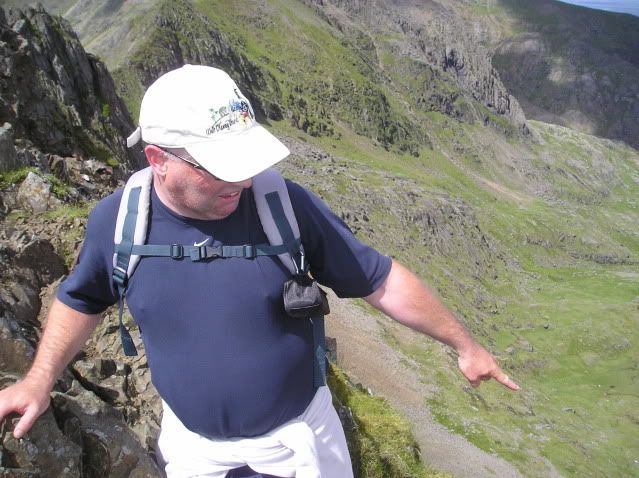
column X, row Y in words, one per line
column 397, row 455
column 567, row 326
column 571, row 207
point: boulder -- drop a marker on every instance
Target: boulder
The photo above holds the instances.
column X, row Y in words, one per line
column 44, row 451
column 40, row 256
column 35, row 194
column 109, row 447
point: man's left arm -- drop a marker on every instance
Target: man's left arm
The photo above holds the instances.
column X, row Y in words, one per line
column 405, row 298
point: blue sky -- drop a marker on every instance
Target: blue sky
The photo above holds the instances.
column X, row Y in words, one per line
column 624, row 6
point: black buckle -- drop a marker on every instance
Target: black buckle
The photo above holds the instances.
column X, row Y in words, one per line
column 214, row 252
column 199, row 253
column 177, row 251
column 119, row 276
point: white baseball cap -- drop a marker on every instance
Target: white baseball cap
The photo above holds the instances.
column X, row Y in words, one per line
column 201, row 109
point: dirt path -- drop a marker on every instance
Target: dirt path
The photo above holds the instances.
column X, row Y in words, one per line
column 363, row 353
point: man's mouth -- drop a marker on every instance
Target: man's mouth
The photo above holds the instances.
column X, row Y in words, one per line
column 230, row 195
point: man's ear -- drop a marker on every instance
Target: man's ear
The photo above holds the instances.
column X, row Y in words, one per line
column 157, row 159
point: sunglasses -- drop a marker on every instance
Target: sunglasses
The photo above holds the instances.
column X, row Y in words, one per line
column 194, row 164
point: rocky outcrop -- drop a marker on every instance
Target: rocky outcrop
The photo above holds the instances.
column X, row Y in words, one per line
column 104, row 414
column 55, row 94
column 572, row 66
column 60, row 113
column 444, row 51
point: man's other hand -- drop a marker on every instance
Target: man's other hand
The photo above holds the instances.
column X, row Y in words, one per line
column 25, row 398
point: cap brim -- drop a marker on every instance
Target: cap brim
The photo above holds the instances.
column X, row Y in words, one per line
column 241, row 155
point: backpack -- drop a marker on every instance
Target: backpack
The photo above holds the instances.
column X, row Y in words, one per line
column 278, row 221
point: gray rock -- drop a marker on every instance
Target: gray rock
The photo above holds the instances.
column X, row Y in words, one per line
column 8, row 159
column 44, row 451
column 24, row 157
column 40, row 256
column 110, row 448
column 105, row 378
column 35, row 193
column 16, row 352
column 54, row 93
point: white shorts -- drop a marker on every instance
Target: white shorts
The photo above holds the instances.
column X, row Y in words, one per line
column 311, row 446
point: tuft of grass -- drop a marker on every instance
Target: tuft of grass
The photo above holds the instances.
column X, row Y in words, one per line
column 112, row 162
column 74, row 218
column 58, row 187
column 14, row 177
column 17, row 176
column 382, row 446
column 68, row 213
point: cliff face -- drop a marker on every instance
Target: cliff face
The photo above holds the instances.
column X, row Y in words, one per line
column 564, row 64
column 573, row 66
column 440, row 47
column 56, row 95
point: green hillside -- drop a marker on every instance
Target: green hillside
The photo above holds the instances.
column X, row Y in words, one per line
column 529, row 234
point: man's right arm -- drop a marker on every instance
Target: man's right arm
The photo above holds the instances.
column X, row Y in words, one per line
column 65, row 334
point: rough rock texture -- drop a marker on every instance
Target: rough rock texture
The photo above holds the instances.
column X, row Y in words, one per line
column 104, row 413
column 573, row 66
column 61, row 113
column 35, row 194
column 47, row 451
column 441, row 47
column 8, row 159
column 55, row 94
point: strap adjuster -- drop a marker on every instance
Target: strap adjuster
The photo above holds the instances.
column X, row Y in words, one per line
column 177, row 251
column 120, row 276
column 249, row 251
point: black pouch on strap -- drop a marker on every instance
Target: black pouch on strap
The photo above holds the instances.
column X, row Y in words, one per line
column 303, row 298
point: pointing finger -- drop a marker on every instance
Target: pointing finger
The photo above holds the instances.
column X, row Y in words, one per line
column 505, row 380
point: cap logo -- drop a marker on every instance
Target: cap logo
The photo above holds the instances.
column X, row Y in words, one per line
column 236, row 112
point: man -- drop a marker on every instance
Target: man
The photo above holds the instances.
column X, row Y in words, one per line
column 233, row 370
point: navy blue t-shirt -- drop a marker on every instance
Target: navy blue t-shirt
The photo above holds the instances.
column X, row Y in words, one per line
column 222, row 352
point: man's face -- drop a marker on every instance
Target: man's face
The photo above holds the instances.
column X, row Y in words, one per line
column 194, row 192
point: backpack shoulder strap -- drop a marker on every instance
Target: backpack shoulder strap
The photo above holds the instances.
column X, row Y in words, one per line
column 133, row 218
column 278, row 218
column 280, row 226
column 130, row 229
